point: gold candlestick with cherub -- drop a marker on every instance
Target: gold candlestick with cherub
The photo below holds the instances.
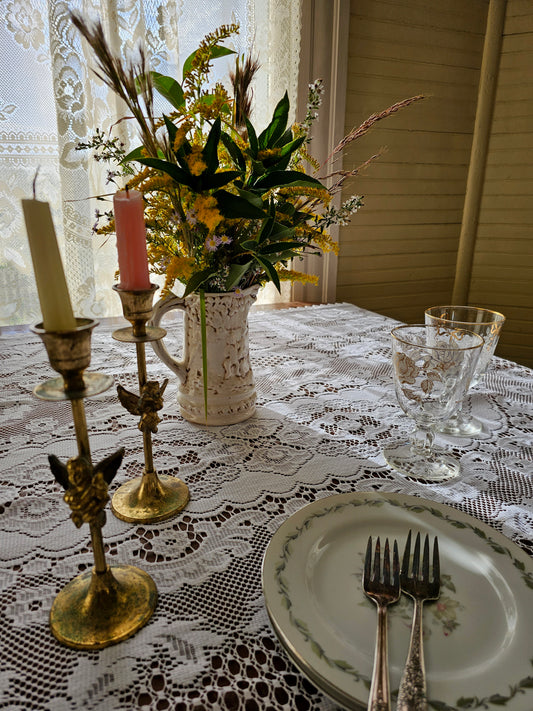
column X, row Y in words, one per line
column 150, row 497
column 106, row 604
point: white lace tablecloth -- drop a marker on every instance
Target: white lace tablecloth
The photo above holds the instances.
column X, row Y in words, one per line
column 326, row 408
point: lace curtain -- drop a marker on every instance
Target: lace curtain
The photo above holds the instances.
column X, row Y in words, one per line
column 50, row 100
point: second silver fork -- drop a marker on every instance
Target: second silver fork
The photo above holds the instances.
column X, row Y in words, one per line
column 419, row 586
column 384, row 590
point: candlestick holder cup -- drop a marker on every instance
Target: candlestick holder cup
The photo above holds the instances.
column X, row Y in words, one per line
column 106, row 604
column 150, row 497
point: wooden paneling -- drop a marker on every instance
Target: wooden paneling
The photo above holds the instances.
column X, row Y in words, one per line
column 502, row 273
column 398, row 255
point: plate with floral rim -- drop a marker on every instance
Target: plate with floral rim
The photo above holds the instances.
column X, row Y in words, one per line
column 478, row 635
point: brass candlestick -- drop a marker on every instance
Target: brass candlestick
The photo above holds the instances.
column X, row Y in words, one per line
column 106, row 604
column 148, row 498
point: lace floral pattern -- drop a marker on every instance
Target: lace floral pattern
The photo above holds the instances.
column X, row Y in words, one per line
column 326, row 408
column 50, row 101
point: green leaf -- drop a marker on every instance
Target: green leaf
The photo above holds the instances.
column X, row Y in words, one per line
column 135, row 154
column 289, row 148
column 175, row 172
column 215, row 52
column 197, row 280
column 236, row 273
column 234, row 206
column 276, row 128
column 341, row 664
column 169, row 88
column 498, row 700
column 210, row 150
column 277, row 162
column 172, row 129
column 249, row 245
column 317, row 649
column 498, row 549
column 258, row 169
column 270, row 270
column 138, row 155
column 286, row 138
column 286, row 208
column 252, row 198
column 217, row 180
column 277, row 247
column 277, row 178
column 268, row 224
column 234, row 150
column 252, row 139
column 282, row 233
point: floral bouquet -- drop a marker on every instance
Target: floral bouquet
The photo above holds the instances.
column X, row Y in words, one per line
column 226, row 207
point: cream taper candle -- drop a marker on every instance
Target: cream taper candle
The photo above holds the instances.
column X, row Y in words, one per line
column 47, row 266
column 131, row 240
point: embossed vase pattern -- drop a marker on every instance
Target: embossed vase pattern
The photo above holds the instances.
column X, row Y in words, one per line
column 231, row 393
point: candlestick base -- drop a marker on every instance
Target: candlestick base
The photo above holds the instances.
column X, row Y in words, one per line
column 126, row 335
column 150, row 498
column 55, row 389
column 96, row 610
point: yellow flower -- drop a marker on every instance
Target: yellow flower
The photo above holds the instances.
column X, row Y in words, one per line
column 292, row 275
column 316, row 193
column 326, row 244
column 195, row 161
column 268, row 153
column 157, row 182
column 181, row 134
column 179, row 268
column 206, row 208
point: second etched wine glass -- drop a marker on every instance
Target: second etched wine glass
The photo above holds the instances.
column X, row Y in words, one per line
column 432, row 367
column 486, row 323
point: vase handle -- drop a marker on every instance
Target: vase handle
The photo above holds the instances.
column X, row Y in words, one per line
column 163, row 306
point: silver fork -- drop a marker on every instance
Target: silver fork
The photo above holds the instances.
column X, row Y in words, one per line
column 419, row 586
column 384, row 591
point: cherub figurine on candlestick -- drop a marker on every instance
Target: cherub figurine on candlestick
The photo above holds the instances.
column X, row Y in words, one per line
column 106, row 604
column 146, row 404
column 148, row 498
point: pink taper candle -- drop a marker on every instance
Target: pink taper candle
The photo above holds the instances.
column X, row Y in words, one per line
column 131, row 240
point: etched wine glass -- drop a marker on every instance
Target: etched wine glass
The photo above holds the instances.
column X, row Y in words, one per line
column 432, row 367
column 486, row 323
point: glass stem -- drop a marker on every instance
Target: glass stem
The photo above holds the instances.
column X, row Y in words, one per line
column 422, row 442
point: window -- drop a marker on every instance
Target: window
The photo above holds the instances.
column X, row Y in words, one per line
column 50, row 100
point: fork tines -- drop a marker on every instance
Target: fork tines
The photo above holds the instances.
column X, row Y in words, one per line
column 372, row 572
column 416, row 573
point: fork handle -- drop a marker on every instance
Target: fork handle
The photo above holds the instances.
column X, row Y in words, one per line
column 412, row 691
column 379, row 699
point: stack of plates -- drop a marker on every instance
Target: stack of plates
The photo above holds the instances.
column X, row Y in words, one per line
column 479, row 634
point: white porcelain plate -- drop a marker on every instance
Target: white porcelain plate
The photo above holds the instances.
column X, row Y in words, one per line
column 478, row 635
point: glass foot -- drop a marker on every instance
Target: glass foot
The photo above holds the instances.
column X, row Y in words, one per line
column 436, row 468
column 461, row 427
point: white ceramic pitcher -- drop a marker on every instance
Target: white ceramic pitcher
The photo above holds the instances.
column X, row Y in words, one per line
column 231, row 391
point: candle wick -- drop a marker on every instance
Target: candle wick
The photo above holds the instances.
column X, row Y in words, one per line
column 127, row 190
column 34, row 183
